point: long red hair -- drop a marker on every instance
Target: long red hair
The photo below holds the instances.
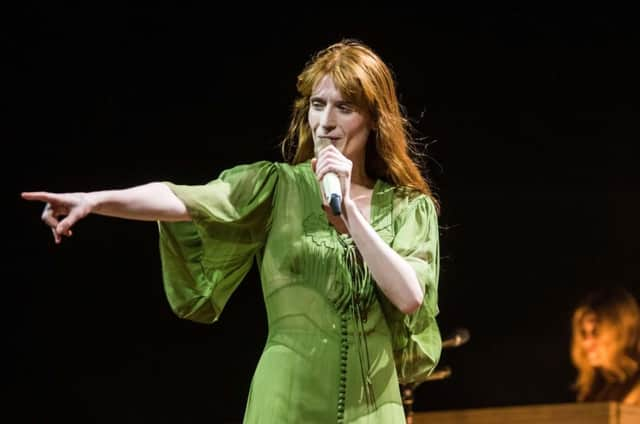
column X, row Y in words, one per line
column 367, row 82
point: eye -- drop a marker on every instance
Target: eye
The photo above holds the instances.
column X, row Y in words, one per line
column 317, row 104
column 346, row 108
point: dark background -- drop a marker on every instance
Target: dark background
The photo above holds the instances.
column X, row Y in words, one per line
column 530, row 121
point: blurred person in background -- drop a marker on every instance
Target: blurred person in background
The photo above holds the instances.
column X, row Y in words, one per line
column 605, row 347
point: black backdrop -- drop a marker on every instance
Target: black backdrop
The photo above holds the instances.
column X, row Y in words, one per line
column 529, row 121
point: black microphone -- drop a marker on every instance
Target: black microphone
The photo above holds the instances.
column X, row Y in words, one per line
column 330, row 182
column 459, row 337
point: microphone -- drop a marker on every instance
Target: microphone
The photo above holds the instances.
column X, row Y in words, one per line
column 330, row 183
column 459, row 337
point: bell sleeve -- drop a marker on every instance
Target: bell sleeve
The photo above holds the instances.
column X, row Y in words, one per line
column 204, row 260
column 416, row 338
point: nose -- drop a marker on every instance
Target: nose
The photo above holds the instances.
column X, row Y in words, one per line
column 327, row 119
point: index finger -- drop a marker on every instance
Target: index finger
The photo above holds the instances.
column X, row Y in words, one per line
column 43, row 196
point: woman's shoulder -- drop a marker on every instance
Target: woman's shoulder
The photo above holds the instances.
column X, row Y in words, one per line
column 298, row 167
column 406, row 199
column 266, row 165
column 293, row 172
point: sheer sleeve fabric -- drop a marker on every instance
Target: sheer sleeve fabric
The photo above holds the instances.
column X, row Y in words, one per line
column 416, row 337
column 204, row 260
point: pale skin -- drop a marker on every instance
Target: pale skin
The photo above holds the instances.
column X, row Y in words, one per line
column 348, row 130
column 329, row 117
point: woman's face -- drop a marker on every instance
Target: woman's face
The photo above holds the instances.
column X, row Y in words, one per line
column 334, row 120
column 594, row 341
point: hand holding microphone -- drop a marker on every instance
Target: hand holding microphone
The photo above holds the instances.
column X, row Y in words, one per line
column 330, row 181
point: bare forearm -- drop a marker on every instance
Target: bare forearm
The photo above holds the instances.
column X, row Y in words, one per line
column 393, row 274
column 148, row 202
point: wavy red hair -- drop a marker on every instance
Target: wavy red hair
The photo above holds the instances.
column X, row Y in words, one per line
column 366, row 81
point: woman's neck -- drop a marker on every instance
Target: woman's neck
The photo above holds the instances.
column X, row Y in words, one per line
column 359, row 174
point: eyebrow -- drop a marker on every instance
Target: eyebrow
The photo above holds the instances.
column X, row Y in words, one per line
column 338, row 103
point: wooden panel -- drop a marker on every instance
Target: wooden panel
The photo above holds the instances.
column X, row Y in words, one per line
column 565, row 413
column 629, row 414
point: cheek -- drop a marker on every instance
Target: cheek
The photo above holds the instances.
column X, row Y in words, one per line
column 356, row 128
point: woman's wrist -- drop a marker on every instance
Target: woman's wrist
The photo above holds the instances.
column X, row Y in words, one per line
column 92, row 200
column 350, row 212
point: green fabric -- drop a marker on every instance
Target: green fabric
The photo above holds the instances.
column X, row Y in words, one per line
column 312, row 368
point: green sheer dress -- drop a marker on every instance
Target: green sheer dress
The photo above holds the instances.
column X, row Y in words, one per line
column 336, row 348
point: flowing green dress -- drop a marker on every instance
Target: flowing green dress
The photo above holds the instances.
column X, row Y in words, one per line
column 336, row 348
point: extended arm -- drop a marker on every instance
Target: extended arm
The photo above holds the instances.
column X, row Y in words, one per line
column 147, row 202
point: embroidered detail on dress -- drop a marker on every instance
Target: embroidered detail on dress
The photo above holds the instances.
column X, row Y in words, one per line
column 316, row 227
column 361, row 296
column 353, row 293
